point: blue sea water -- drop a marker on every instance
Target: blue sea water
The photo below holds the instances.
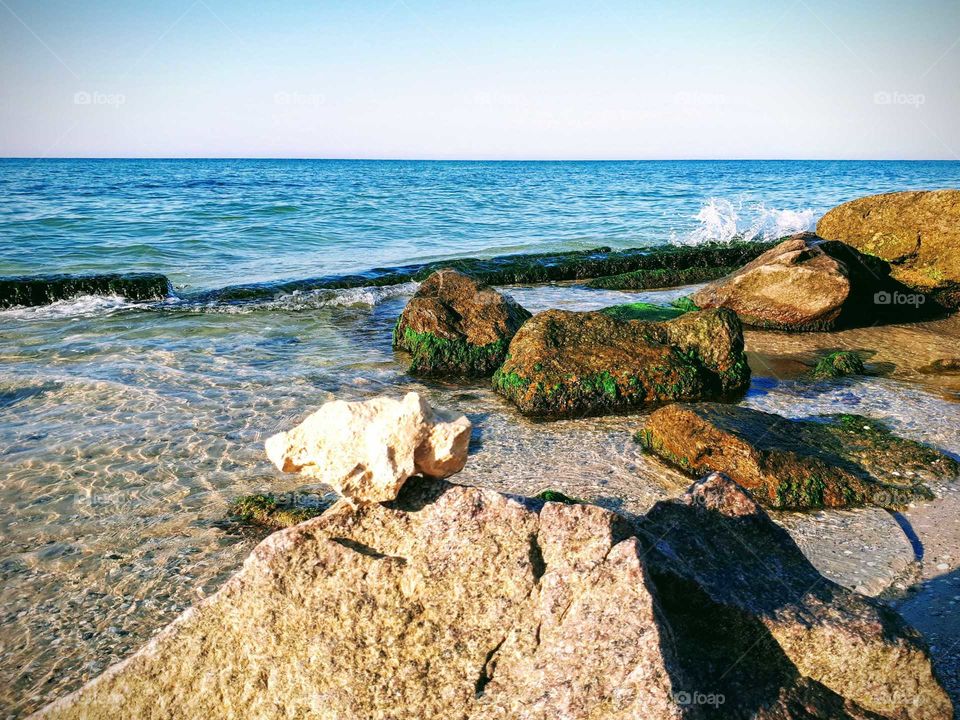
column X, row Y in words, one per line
column 127, row 428
column 210, row 223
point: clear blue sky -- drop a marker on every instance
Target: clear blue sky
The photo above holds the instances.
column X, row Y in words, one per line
column 483, row 79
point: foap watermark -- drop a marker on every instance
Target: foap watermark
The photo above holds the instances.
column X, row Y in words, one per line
column 292, row 98
column 84, row 97
column 894, row 97
column 686, row 698
column 899, row 298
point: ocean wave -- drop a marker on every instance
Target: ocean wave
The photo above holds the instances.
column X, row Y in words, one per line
column 301, row 300
column 722, row 220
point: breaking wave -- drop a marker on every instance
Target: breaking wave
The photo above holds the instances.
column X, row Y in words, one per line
column 722, row 220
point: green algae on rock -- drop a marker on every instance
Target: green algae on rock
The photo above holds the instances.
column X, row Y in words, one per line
column 832, row 461
column 269, row 511
column 839, row 363
column 643, row 311
column 514, row 269
column 455, row 325
column 563, row 364
column 653, row 278
column 33, row 290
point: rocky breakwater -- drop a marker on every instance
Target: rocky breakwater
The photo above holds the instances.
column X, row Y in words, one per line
column 458, row 602
column 33, row 290
column 917, row 233
column 455, row 325
column 806, row 283
column 564, row 363
column 831, row 461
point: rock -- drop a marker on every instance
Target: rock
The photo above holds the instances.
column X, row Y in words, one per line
column 942, row 366
column 266, row 510
column 839, row 363
column 840, row 461
column 586, row 363
column 456, row 325
column 460, row 603
column 735, row 587
column 661, row 278
column 367, row 450
column 32, row 290
column 806, row 284
column 917, row 232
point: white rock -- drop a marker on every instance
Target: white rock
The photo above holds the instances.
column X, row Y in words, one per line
column 367, row 450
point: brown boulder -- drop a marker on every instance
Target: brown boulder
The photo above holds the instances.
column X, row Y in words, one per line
column 917, row 232
column 806, row 283
column 565, row 363
column 455, row 325
column 842, row 461
column 464, row 604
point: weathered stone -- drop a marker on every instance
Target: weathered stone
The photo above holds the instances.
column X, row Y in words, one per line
column 564, row 363
column 735, row 588
column 805, row 283
column 842, row 461
column 458, row 326
column 917, row 232
column 367, row 450
column 839, row 363
column 30, row 290
column 460, row 603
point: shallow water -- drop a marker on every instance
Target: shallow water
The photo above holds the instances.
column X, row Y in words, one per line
column 126, row 429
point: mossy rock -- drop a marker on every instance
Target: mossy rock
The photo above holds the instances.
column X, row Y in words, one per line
column 839, row 364
column 456, row 326
column 269, row 511
column 557, row 497
column 661, row 277
column 831, row 461
column 567, row 364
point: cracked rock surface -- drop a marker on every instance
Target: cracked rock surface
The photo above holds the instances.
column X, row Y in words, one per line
column 460, row 602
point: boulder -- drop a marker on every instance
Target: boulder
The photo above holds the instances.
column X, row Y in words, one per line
column 736, row 588
column 457, row 326
column 564, row 363
column 839, row 363
column 917, row 232
column 461, row 603
column 836, row 461
column 804, row 284
column 367, row 450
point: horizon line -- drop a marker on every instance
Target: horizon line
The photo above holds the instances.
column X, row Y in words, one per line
column 477, row 160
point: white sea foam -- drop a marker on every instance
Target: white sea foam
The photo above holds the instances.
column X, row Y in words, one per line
column 722, row 220
column 76, row 307
column 314, row 299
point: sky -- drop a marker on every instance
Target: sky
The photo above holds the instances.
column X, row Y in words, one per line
column 523, row 79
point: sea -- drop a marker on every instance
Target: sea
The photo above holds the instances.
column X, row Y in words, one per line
column 127, row 428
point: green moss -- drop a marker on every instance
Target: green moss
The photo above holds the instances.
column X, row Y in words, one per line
column 510, row 382
column 649, row 279
column 839, row 364
column 433, row 354
column 643, row 311
column 685, row 303
column 558, row 497
column 266, row 510
column 806, row 493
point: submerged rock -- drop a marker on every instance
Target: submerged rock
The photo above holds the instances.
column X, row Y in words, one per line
column 917, row 232
column 459, row 603
column 270, row 511
column 663, row 277
column 644, row 311
column 514, row 269
column 458, row 326
column 942, row 366
column 32, row 290
column 839, row 363
column 805, row 283
column 841, row 461
column 564, row 363
column 367, row 450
